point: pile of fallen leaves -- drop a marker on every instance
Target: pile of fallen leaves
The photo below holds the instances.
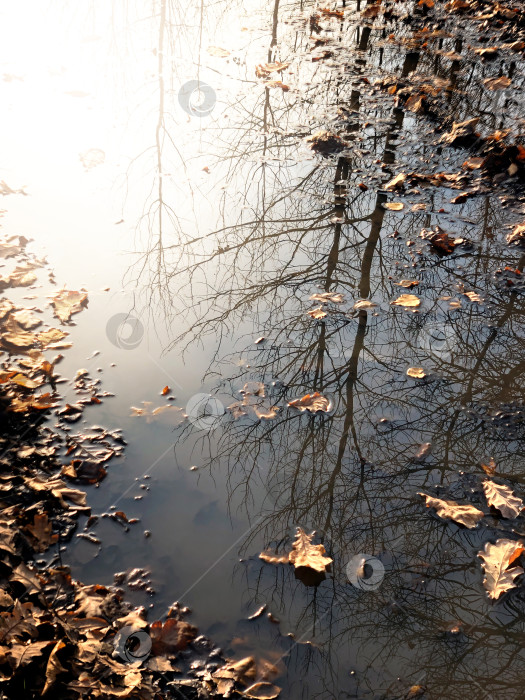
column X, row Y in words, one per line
column 58, row 637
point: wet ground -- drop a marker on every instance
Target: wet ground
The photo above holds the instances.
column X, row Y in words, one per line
column 212, row 232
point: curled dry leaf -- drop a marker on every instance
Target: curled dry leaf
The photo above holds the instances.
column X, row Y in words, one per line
column 272, row 558
column 394, row 206
column 66, row 302
column 334, row 297
column 317, row 313
column 311, row 402
column 258, row 612
column 501, row 497
column 54, row 668
column 262, row 691
column 496, row 561
column 242, row 672
column 364, row 304
column 407, row 300
column 277, row 84
column 416, row 372
column 469, row 516
column 474, row 297
column 517, row 237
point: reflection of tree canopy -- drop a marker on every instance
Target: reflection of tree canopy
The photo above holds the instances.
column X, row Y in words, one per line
column 295, row 228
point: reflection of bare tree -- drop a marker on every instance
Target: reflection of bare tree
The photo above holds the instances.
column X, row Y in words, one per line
column 353, row 474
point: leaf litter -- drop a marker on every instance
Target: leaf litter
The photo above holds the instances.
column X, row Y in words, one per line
column 59, row 637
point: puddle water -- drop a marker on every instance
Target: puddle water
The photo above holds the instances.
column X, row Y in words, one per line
column 165, row 171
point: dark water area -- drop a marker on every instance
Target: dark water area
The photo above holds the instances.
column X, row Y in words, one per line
column 201, row 239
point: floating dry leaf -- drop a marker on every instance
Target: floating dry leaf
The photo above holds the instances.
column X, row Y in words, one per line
column 497, row 83
column 407, row 300
column 50, row 335
column 311, row 402
column 217, row 51
column 517, row 237
column 473, row 163
column 364, row 304
column 474, row 297
column 416, row 372
column 489, row 468
column 462, row 133
column 332, row 13
column 501, row 497
column 334, row 297
column 170, row 414
column 15, row 338
column 253, row 402
column 496, row 561
column 66, row 303
column 277, row 84
column 258, row 613
column 407, row 284
column 450, row 510
column 272, row 558
column 317, row 313
column 43, row 402
column 397, row 182
column 22, row 276
column 326, row 142
column 415, row 103
column 264, row 69
column 262, row 691
column 308, row 555
column 394, row 206
column 59, row 489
